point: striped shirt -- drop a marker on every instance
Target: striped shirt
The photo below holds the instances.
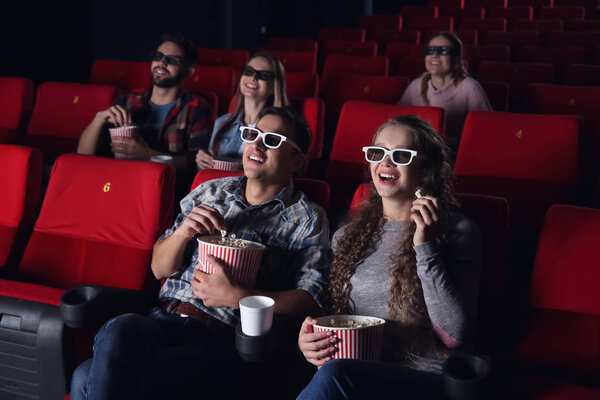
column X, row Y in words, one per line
column 295, row 231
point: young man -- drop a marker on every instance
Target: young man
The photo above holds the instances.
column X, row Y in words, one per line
column 201, row 309
column 173, row 122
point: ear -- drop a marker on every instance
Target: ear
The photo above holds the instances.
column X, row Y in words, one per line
column 299, row 163
column 190, row 72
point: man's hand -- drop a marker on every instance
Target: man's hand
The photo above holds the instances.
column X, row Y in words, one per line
column 204, row 159
column 201, row 219
column 116, row 115
column 217, row 289
column 132, row 148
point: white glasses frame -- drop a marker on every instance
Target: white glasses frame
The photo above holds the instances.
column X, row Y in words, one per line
column 260, row 134
column 389, row 153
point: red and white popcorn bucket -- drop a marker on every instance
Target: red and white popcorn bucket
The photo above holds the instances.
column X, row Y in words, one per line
column 227, row 164
column 243, row 262
column 117, row 135
column 361, row 342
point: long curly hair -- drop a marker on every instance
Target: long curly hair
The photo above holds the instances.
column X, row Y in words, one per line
column 459, row 72
column 360, row 236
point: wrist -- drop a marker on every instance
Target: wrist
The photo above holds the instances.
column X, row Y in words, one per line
column 237, row 294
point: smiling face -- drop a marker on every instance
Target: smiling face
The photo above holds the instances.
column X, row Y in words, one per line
column 436, row 64
column 255, row 88
column 272, row 166
column 164, row 75
column 391, row 180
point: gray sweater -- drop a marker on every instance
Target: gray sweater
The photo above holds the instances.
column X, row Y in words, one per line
column 449, row 282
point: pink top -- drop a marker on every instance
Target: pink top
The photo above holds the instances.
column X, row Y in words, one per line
column 458, row 101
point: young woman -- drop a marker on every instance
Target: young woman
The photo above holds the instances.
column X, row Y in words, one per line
column 262, row 84
column 410, row 257
column 446, row 84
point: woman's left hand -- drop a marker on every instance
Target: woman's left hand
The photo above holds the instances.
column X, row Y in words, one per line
column 425, row 213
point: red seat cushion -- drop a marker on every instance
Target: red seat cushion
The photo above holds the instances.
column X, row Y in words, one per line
column 563, row 339
column 31, row 292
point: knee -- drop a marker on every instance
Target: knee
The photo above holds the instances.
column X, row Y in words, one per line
column 126, row 329
column 335, row 369
column 79, row 380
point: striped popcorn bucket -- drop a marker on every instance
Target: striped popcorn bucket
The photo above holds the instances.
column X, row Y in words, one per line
column 242, row 262
column 359, row 343
column 118, row 134
column 227, row 164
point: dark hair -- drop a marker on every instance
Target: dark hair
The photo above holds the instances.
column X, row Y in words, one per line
column 190, row 52
column 302, row 135
column 278, row 99
column 458, row 67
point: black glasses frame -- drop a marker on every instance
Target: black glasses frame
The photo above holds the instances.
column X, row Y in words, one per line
column 169, row 60
column 260, row 75
column 440, row 51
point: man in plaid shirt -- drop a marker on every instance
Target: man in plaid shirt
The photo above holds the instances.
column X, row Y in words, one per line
column 202, row 310
column 173, row 122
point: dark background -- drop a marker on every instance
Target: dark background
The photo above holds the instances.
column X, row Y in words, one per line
column 58, row 41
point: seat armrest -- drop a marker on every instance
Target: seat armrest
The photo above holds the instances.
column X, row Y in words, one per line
column 90, row 305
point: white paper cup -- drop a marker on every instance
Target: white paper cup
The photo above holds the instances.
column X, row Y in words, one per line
column 359, row 343
column 227, row 164
column 256, row 314
column 162, row 159
column 243, row 263
column 121, row 133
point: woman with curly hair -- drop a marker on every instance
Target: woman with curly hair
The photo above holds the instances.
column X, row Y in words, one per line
column 408, row 256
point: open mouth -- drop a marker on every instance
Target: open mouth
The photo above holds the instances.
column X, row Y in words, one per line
column 388, row 178
column 256, row 158
column 251, row 86
column 160, row 71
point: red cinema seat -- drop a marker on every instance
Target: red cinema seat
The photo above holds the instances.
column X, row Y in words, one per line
column 336, row 64
column 16, row 102
column 583, row 25
column 449, row 3
column 397, row 51
column 234, row 58
column 582, row 75
column 411, row 67
column 475, row 55
column 511, row 14
column 370, row 23
column 576, row 100
column 297, row 61
column 126, row 75
column 517, row 76
column 458, row 14
column 213, row 102
column 543, row 26
column 564, row 324
column 61, row 113
column 546, row 389
column 468, row 38
column 484, row 25
column 497, row 93
column 349, row 47
column 98, row 224
column 488, row 4
column 560, row 57
column 220, row 80
column 21, row 183
column 588, row 40
column 536, row 4
column 383, row 36
column 329, row 32
column 492, row 217
column 408, row 12
column 316, row 190
column 513, row 39
column 299, row 45
column 300, row 85
column 565, row 13
column 430, row 23
column 377, row 89
column 357, row 124
column 531, row 160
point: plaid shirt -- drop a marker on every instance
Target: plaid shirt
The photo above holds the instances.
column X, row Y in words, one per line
column 187, row 126
column 295, row 231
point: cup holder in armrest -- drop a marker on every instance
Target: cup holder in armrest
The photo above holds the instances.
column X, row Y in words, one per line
column 466, row 376
column 77, row 305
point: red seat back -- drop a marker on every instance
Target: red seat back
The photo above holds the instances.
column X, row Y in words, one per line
column 16, row 102
column 357, row 124
column 328, row 32
column 220, row 80
column 61, row 113
column 512, row 13
column 105, row 216
column 297, row 61
column 126, row 75
column 234, row 58
column 335, row 64
column 397, row 51
column 582, row 75
column 560, row 57
column 475, row 55
column 370, row 23
column 497, row 93
column 563, row 13
column 20, row 180
column 283, row 44
column 300, row 85
column 349, row 47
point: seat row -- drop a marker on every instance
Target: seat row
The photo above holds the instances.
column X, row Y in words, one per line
column 100, row 218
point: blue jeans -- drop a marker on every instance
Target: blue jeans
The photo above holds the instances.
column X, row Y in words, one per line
column 130, row 352
column 356, row 379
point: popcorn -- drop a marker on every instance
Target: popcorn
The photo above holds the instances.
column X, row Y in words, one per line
column 352, row 323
